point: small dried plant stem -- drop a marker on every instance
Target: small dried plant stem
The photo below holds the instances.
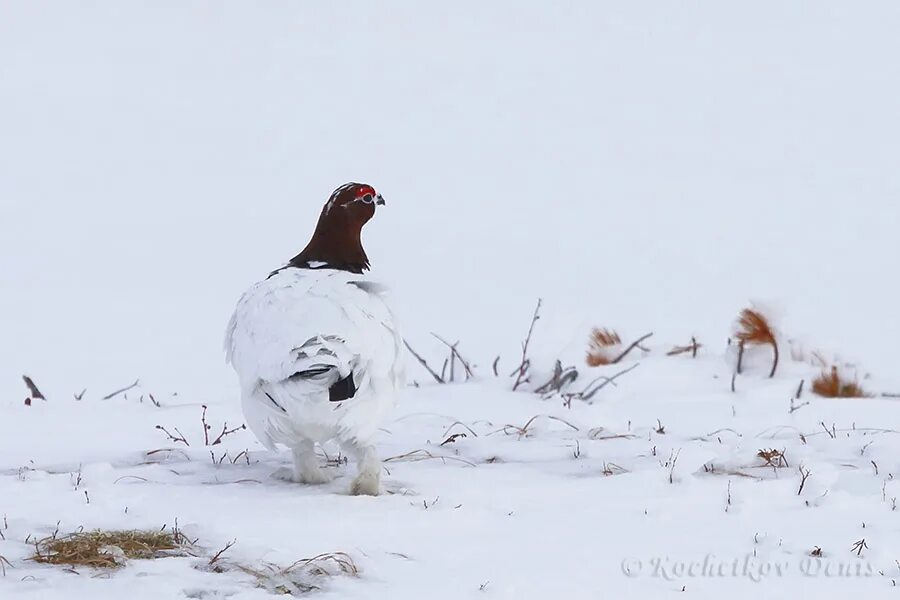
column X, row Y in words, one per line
column 32, row 388
column 179, row 438
column 522, row 371
column 740, row 360
column 112, row 395
column 634, row 345
column 804, row 475
column 424, row 363
column 218, row 555
column 774, row 360
column 455, row 353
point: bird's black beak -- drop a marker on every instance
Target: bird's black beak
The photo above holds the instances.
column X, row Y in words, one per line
column 379, row 201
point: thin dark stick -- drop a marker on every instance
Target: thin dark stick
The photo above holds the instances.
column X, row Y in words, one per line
column 181, row 439
column 32, row 388
column 455, row 352
column 740, row 361
column 495, row 365
column 630, row 348
column 422, row 362
column 800, row 390
column 585, row 395
column 775, row 361
column 805, row 475
column 219, row 554
column 123, row 390
column 523, row 366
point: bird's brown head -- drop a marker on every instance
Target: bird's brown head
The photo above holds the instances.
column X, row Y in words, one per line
column 353, row 203
column 336, row 243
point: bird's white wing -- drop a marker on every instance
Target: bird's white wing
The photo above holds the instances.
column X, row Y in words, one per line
column 309, row 330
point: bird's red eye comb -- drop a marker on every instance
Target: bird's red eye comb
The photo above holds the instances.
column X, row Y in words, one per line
column 365, row 189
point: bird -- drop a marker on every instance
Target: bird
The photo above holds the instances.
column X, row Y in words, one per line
column 317, row 348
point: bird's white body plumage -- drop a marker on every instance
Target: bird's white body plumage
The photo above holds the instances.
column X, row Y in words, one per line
column 327, row 322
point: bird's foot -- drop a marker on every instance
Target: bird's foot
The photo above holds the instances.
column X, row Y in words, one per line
column 367, row 483
column 314, row 476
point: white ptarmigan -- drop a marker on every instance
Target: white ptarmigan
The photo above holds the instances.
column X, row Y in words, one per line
column 316, row 347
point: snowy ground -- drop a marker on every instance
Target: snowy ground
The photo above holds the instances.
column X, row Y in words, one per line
column 619, row 496
column 640, row 166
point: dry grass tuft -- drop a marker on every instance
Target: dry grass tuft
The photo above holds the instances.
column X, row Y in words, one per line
column 830, row 385
column 601, row 341
column 301, row 577
column 753, row 329
column 108, row 549
column 773, row 458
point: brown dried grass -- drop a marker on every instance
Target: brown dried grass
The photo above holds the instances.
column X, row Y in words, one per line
column 601, row 341
column 97, row 548
column 830, row 384
column 753, row 329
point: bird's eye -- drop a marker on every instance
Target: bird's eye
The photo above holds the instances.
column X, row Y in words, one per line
column 368, row 198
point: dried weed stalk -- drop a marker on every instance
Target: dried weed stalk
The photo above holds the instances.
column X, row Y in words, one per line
column 754, row 329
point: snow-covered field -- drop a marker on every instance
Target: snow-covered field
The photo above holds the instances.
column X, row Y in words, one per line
column 639, row 166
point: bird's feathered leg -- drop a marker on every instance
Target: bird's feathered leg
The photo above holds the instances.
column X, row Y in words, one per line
column 368, row 479
column 306, row 467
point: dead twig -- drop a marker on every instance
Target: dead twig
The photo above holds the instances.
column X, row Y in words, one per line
column 561, row 378
column 589, row 391
column 136, row 383
column 420, row 455
column 454, row 352
column 692, row 348
column 424, row 363
column 740, row 360
column 634, row 344
column 33, row 391
column 523, row 430
column 452, row 439
column 218, row 555
column 804, row 475
column 773, row 458
column 4, row 563
column 522, row 371
column 179, row 438
column 455, row 423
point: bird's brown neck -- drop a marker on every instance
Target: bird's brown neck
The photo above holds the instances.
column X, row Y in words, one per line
column 336, row 244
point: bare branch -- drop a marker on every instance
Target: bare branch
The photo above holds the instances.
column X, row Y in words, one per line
column 32, row 388
column 466, row 365
column 630, row 348
column 560, row 379
column 123, row 390
column 522, row 372
column 804, row 474
column 424, row 363
column 588, row 393
column 179, row 438
column 218, row 555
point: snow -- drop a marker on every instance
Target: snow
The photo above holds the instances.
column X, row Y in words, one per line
column 639, row 166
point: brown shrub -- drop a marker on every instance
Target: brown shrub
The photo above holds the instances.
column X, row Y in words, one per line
column 599, row 346
column 753, row 329
column 830, row 385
